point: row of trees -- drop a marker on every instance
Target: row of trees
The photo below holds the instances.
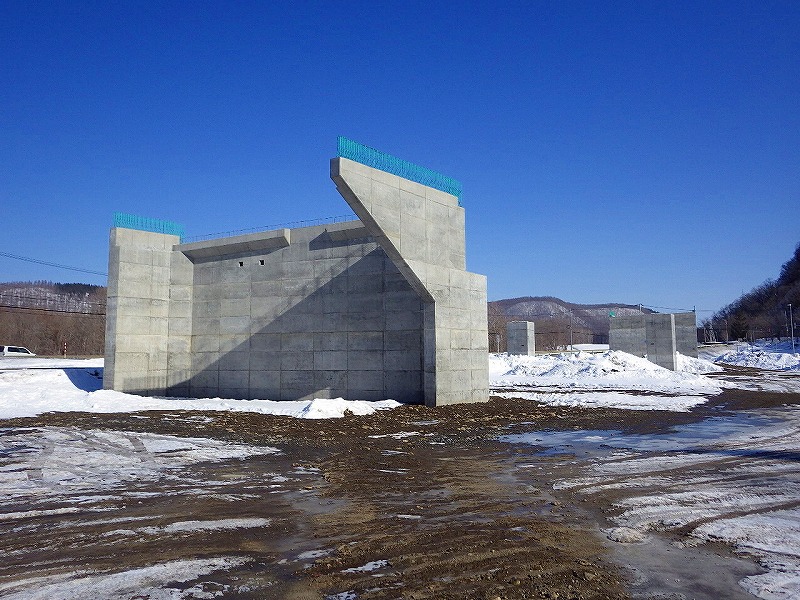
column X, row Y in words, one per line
column 45, row 332
column 764, row 311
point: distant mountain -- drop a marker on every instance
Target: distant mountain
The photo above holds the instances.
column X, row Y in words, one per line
column 764, row 310
column 587, row 316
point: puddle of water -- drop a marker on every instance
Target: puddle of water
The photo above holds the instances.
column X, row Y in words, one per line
column 684, row 438
column 644, row 475
column 659, row 569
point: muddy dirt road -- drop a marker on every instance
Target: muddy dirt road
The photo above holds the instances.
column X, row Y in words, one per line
column 409, row 503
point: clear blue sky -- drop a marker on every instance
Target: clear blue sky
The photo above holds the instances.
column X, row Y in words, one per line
column 609, row 152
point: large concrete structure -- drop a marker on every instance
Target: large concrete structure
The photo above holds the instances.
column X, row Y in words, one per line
column 521, row 337
column 657, row 336
column 380, row 307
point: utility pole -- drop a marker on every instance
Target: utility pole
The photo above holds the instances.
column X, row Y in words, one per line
column 791, row 326
column 571, row 345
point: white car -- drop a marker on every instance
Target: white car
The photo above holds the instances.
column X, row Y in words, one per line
column 18, row 351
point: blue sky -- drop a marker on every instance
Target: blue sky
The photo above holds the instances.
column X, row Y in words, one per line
column 609, row 152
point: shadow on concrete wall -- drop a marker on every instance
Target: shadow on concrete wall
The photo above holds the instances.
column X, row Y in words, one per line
column 356, row 334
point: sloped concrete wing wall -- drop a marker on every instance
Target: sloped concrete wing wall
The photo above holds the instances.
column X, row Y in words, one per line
column 421, row 229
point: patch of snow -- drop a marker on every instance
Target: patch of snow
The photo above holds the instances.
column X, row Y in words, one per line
column 194, row 526
column 156, row 582
column 53, row 464
column 370, row 566
column 397, row 436
column 30, row 387
column 621, row 400
column 312, row 554
column 348, row 595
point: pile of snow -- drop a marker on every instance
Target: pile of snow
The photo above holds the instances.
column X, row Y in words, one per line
column 611, row 379
column 609, row 370
column 33, row 386
column 773, row 357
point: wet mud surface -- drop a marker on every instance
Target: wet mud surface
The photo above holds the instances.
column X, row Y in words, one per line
column 409, row 503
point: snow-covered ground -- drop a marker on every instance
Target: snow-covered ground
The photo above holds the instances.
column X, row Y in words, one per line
column 773, row 356
column 66, row 489
column 32, row 386
column 609, row 379
column 724, row 480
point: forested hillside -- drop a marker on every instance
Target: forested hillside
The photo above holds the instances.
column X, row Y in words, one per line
column 43, row 316
column 763, row 311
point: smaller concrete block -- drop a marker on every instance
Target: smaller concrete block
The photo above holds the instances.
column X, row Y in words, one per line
column 372, row 321
column 179, row 345
column 203, row 361
column 411, row 187
column 408, row 340
column 364, row 303
column 521, row 338
column 440, row 197
column 460, row 339
column 205, row 326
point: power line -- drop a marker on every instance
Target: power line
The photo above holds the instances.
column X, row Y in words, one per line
column 50, row 264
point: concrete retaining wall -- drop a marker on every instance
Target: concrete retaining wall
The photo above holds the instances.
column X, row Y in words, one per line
column 381, row 307
column 656, row 335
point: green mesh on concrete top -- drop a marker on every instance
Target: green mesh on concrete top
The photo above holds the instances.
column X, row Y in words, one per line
column 147, row 224
column 397, row 166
